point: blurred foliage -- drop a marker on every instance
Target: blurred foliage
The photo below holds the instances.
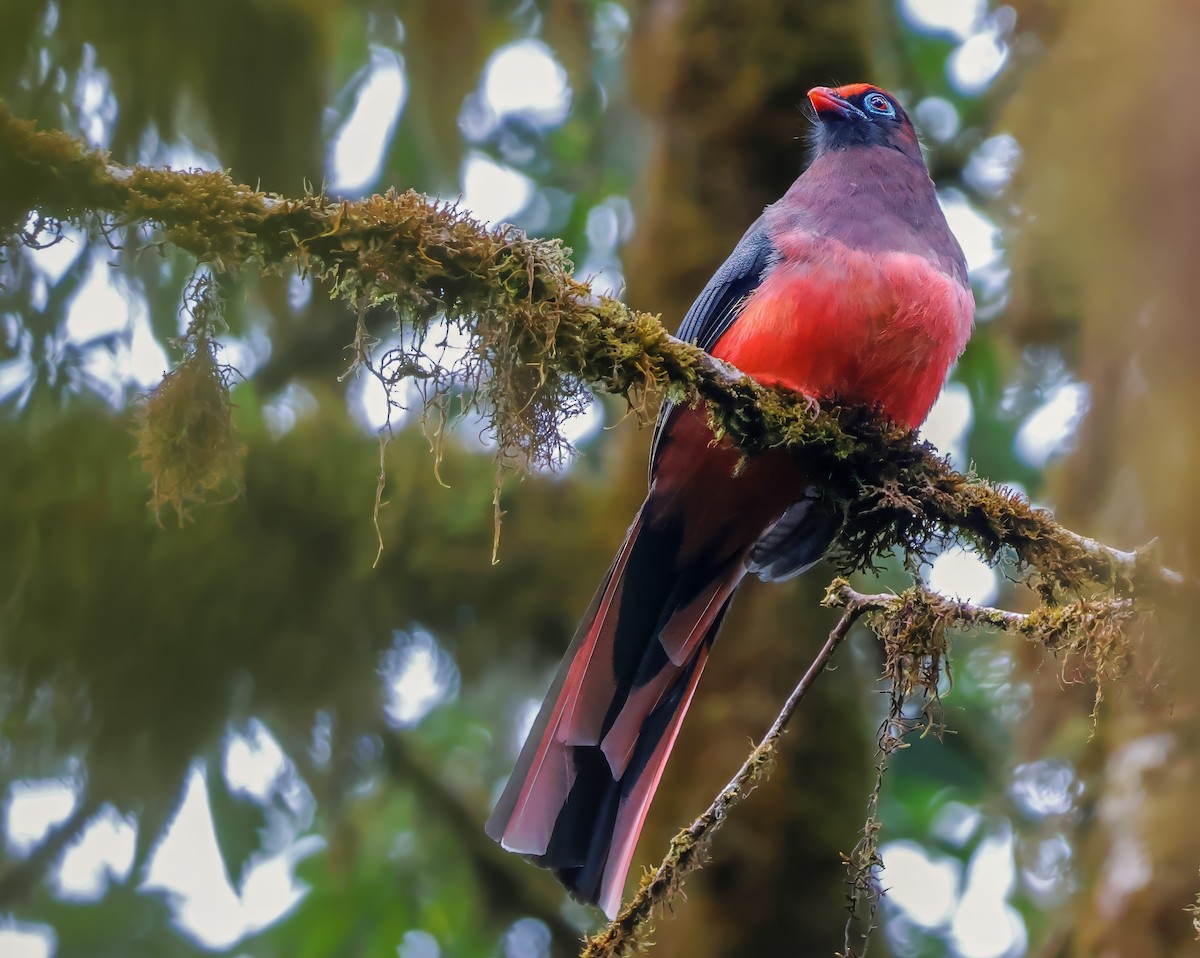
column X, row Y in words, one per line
column 1109, row 177
column 134, row 658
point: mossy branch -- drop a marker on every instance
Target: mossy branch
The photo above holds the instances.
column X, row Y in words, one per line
column 912, row 628
column 535, row 338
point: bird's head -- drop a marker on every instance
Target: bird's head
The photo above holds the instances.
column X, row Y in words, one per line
column 859, row 114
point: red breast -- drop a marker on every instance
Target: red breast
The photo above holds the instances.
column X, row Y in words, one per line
column 868, row 297
column 873, row 328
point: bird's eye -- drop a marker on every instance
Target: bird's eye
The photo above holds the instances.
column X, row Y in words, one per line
column 878, row 103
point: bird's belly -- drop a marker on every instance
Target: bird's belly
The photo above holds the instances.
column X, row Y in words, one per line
column 877, row 329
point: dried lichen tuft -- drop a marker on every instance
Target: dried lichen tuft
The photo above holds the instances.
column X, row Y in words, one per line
column 186, row 437
column 1101, row 634
column 915, row 656
column 480, row 318
column 1098, row 632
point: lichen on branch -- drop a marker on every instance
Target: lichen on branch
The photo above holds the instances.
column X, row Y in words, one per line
column 527, row 340
column 186, row 437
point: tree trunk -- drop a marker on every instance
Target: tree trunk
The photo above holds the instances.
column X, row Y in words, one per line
column 1111, row 239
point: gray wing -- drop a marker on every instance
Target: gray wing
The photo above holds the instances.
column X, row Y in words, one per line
column 797, row 540
column 721, row 300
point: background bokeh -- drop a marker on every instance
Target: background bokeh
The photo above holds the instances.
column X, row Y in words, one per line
column 234, row 736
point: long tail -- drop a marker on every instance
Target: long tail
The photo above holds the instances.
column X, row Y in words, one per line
column 579, row 793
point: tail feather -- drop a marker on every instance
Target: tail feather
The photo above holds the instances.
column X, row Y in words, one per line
column 523, row 818
column 579, row 794
column 643, row 775
column 680, row 638
column 612, row 834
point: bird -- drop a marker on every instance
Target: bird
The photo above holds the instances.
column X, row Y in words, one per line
column 851, row 287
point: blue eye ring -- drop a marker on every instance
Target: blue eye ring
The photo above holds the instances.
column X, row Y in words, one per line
column 879, row 104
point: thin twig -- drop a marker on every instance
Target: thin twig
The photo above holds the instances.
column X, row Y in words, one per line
column 1047, row 624
column 965, row 613
column 621, row 935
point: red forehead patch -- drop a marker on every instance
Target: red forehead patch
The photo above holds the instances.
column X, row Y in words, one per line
column 854, row 89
